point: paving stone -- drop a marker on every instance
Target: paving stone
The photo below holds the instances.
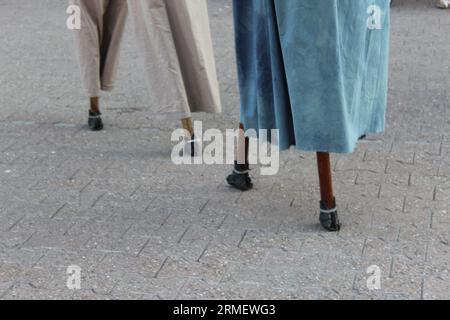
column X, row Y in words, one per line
column 163, row 288
column 437, row 288
column 23, row 257
column 27, row 292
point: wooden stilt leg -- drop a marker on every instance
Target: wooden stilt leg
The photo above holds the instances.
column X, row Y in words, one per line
column 328, row 215
column 326, row 180
column 242, row 146
column 95, row 104
column 240, row 178
column 188, row 125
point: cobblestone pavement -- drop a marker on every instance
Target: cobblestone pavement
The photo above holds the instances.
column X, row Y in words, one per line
column 142, row 228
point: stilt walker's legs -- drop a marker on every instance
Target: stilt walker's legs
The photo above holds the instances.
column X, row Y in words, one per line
column 328, row 211
column 95, row 122
column 240, row 178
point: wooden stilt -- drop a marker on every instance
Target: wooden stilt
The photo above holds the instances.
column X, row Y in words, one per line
column 242, row 146
column 326, row 179
column 95, row 104
column 328, row 216
column 188, row 125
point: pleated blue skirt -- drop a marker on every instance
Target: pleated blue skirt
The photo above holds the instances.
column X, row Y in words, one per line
column 316, row 70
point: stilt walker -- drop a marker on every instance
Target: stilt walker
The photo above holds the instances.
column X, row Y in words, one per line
column 317, row 71
column 174, row 39
column 98, row 43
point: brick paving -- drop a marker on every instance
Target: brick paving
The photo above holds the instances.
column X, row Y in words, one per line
column 140, row 227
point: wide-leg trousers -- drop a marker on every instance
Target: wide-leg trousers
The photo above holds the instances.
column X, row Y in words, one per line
column 99, row 41
column 174, row 38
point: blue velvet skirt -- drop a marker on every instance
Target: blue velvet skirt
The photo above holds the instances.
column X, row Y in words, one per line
column 316, row 70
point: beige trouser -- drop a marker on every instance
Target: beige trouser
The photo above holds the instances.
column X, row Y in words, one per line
column 174, row 39
column 98, row 42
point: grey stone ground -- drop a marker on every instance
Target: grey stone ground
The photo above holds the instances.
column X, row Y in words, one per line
column 140, row 227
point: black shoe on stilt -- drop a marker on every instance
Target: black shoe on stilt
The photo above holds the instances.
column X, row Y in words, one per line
column 240, row 178
column 329, row 218
column 95, row 122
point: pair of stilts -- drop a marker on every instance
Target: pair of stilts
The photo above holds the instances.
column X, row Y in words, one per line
column 95, row 121
column 316, row 71
column 240, row 179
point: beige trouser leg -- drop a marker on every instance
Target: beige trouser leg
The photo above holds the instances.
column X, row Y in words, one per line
column 98, row 42
column 161, row 65
column 191, row 33
column 174, row 39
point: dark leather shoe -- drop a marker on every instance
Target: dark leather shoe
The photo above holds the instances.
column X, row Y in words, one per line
column 329, row 218
column 240, row 178
column 95, row 122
